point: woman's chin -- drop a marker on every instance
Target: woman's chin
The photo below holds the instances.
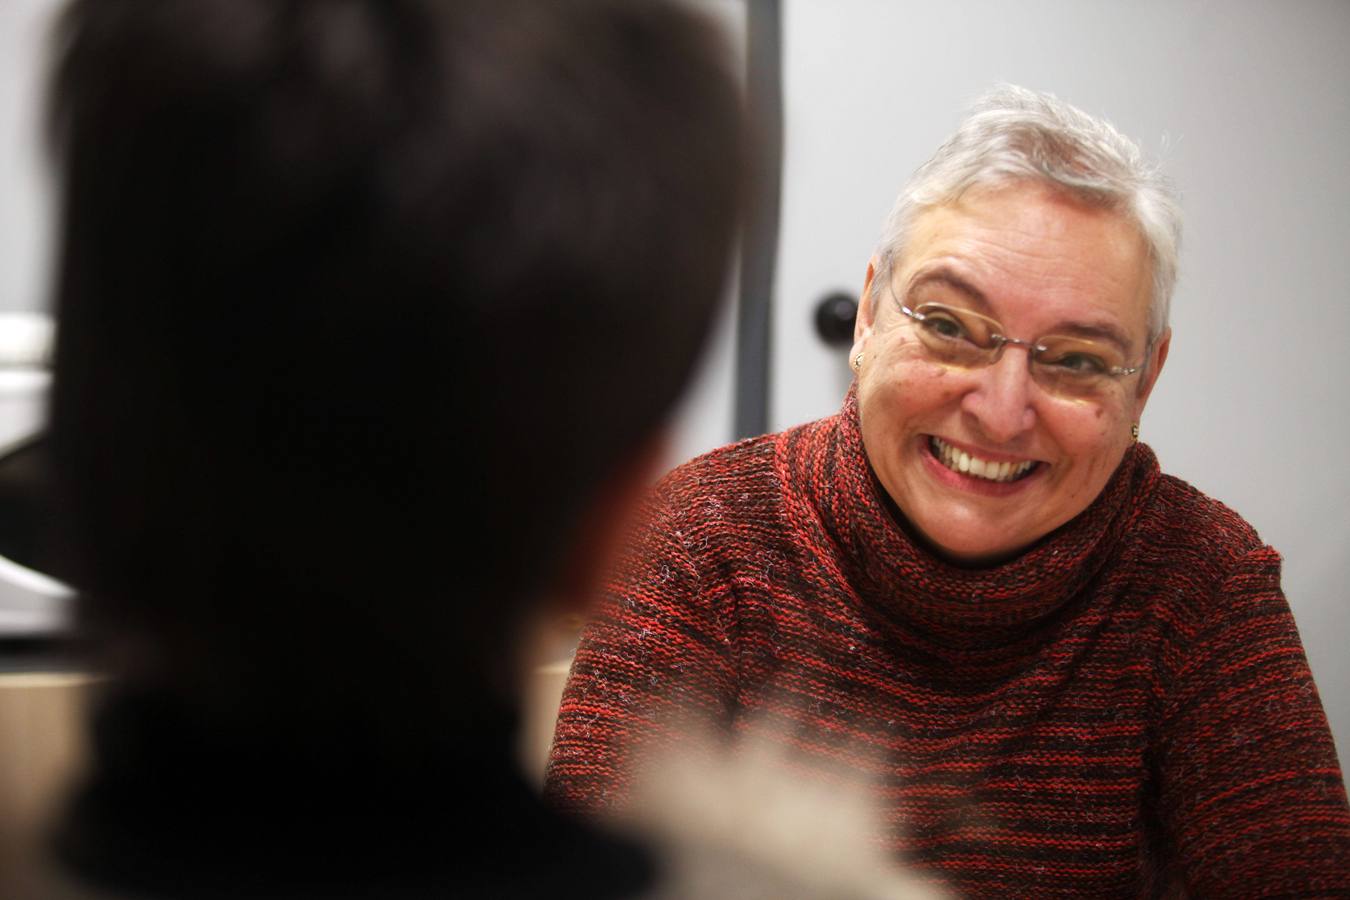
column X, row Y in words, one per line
column 972, row 552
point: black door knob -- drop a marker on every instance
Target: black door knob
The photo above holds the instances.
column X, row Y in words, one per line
column 835, row 315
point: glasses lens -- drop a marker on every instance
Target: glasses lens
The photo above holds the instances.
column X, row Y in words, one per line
column 1075, row 366
column 956, row 336
column 1063, row 365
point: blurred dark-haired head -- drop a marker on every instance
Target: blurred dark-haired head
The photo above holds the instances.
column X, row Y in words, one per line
column 362, row 304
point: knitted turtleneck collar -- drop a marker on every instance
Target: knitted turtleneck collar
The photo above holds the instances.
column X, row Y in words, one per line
column 959, row 606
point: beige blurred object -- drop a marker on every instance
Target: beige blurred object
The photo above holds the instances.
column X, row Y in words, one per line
column 738, row 819
column 549, row 645
column 543, row 694
column 41, row 743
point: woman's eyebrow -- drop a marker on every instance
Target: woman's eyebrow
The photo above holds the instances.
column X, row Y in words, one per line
column 948, row 277
column 1100, row 330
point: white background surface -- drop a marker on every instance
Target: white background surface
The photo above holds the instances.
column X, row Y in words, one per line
column 25, row 219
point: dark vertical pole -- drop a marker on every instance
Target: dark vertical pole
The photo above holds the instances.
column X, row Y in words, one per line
column 759, row 249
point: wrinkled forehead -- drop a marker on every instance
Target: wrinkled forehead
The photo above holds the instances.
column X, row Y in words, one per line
column 1030, row 256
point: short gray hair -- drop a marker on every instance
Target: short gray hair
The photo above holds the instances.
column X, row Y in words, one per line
column 1014, row 134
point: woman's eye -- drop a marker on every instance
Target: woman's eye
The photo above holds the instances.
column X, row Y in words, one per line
column 1079, row 363
column 944, row 326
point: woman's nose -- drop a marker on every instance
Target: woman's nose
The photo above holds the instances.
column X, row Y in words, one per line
column 1000, row 398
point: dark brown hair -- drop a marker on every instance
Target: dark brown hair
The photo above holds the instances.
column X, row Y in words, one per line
column 360, row 303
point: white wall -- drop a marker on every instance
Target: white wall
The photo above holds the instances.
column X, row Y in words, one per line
column 25, row 219
column 1248, row 103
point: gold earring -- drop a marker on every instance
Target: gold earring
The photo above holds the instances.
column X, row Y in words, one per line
column 857, row 362
column 1134, row 431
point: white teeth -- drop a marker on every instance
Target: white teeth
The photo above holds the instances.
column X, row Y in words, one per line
column 960, row 461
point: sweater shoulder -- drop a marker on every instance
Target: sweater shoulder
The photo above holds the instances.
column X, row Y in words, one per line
column 1182, row 521
column 741, row 480
column 721, row 469
column 1189, row 551
column 732, row 504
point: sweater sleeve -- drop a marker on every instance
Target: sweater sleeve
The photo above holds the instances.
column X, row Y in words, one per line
column 653, row 663
column 1251, row 796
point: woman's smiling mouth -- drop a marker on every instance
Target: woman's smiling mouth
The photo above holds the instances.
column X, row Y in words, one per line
column 965, row 463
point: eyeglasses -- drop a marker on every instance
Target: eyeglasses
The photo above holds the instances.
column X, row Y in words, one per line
column 1066, row 366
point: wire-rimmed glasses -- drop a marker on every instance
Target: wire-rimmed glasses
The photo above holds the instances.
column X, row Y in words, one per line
column 1065, row 365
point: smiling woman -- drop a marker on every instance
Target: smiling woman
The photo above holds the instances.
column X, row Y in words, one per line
column 1046, row 264
column 1060, row 671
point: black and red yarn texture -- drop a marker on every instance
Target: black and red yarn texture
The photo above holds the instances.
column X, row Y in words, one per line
column 1124, row 710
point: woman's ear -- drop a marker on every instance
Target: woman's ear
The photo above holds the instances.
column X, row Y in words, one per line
column 862, row 326
column 1155, row 363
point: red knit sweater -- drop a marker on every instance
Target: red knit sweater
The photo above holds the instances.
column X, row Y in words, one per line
column 1122, row 710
